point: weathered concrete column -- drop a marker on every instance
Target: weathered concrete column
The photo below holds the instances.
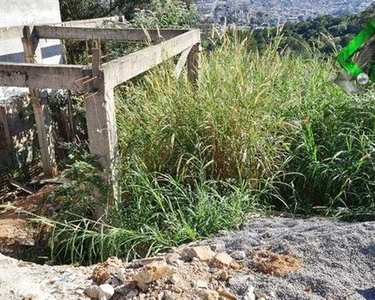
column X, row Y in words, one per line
column 194, row 64
column 5, row 139
column 44, row 129
column 102, row 129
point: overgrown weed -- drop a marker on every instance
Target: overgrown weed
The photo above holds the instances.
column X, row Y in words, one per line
column 263, row 130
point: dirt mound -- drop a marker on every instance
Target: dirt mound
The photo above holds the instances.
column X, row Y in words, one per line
column 276, row 264
column 17, row 234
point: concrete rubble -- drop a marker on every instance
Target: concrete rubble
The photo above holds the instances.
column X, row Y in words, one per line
column 190, row 272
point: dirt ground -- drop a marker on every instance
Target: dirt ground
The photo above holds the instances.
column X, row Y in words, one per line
column 16, row 233
column 276, row 258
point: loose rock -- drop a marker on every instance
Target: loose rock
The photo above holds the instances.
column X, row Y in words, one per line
column 200, row 284
column 259, row 294
column 218, row 247
column 249, row 295
column 132, row 294
column 104, row 271
column 224, row 275
column 175, row 279
column 153, row 271
column 239, row 255
column 172, row 258
column 208, row 295
column 203, row 253
column 106, row 291
column 221, row 260
column 92, row 291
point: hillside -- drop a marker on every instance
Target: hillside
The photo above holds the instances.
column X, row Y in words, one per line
column 325, row 33
column 271, row 12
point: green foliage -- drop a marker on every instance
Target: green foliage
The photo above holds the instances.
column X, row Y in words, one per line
column 325, row 33
column 166, row 123
column 85, row 187
column 84, row 9
column 88, row 9
column 334, row 153
column 165, row 13
column 163, row 212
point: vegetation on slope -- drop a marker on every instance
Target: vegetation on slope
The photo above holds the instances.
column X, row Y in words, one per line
column 264, row 131
column 325, row 33
column 267, row 129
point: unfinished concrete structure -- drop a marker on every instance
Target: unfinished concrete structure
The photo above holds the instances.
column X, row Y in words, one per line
column 97, row 80
column 17, row 132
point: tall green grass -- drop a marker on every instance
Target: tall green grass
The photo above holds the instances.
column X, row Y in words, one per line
column 263, row 130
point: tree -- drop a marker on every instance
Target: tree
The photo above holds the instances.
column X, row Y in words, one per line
column 86, row 9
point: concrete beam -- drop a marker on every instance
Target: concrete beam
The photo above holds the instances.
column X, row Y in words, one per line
column 122, row 69
column 7, row 33
column 88, row 23
column 42, row 76
column 182, row 61
column 116, row 34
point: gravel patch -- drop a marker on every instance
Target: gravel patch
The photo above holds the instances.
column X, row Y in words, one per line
column 338, row 259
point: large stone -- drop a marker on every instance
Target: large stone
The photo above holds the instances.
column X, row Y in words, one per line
column 221, row 260
column 153, row 271
column 203, row 253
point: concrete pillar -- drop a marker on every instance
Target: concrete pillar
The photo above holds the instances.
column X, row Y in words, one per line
column 44, row 129
column 193, row 64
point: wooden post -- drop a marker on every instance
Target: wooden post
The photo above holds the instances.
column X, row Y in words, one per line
column 193, row 64
column 44, row 129
column 101, row 126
